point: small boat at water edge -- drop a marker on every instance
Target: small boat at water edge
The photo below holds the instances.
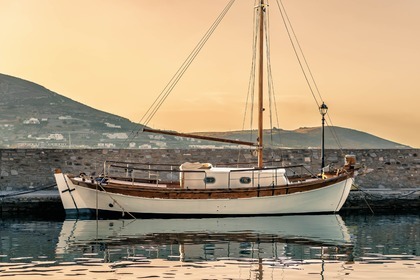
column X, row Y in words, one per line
column 212, row 191
column 203, row 189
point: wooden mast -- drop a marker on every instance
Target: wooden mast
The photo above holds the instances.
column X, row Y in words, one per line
column 260, row 84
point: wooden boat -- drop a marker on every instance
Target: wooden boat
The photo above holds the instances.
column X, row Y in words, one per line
column 201, row 189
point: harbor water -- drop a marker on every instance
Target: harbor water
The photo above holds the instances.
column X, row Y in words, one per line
column 283, row 247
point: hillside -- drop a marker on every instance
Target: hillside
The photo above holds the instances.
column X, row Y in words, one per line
column 309, row 137
column 32, row 116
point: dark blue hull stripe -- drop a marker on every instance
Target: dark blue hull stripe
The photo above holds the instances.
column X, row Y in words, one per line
column 86, row 213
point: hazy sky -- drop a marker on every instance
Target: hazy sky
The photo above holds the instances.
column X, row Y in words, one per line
column 117, row 56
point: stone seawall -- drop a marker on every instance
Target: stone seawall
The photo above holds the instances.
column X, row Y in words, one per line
column 392, row 176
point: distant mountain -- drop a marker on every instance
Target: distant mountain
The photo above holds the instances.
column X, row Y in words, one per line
column 309, row 137
column 32, row 116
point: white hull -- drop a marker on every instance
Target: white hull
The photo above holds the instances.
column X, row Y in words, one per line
column 79, row 200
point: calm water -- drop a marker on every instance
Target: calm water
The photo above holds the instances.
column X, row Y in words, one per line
column 287, row 247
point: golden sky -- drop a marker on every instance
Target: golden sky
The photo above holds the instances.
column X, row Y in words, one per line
column 117, row 56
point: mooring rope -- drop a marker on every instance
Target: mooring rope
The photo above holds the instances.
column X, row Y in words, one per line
column 364, row 197
column 115, row 201
column 26, row 192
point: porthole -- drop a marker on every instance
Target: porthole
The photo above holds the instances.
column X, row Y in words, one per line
column 245, row 180
column 209, row 180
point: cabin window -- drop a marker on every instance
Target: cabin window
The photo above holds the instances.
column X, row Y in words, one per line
column 245, row 180
column 209, row 180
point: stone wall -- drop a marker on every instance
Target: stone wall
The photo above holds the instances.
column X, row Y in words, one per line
column 391, row 181
column 26, row 169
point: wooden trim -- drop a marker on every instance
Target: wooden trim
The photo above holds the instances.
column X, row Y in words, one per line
column 175, row 192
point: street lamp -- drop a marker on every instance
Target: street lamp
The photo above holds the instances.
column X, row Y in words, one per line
column 323, row 110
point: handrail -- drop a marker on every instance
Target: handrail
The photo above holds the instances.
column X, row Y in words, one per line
column 142, row 163
column 202, row 170
column 123, row 168
column 178, row 170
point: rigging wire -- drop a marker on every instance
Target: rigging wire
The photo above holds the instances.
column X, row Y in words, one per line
column 251, row 86
column 270, row 80
column 287, row 25
column 301, row 51
column 331, row 127
column 296, row 47
column 290, row 31
column 268, row 65
column 251, row 83
column 271, row 92
column 157, row 103
column 183, row 68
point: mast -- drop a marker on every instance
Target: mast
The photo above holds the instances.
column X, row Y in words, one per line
column 260, row 83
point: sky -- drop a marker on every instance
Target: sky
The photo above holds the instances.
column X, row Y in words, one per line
column 117, row 56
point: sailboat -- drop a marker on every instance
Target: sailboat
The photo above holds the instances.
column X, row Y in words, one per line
column 203, row 189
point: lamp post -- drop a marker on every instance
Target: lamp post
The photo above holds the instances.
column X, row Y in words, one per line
column 323, row 110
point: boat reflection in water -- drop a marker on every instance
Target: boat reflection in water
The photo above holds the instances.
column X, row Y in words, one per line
column 275, row 238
